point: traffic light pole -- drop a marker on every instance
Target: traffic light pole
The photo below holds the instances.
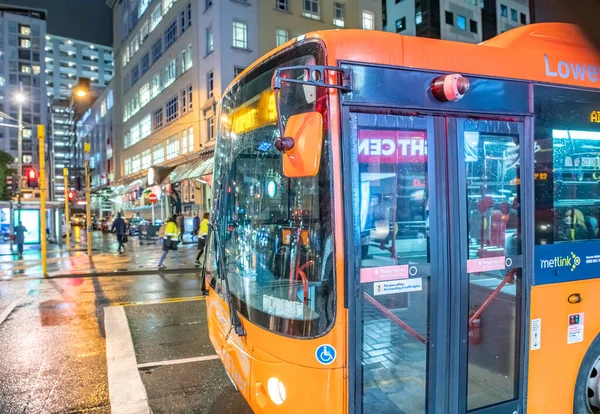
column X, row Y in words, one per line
column 42, row 184
column 88, row 216
column 67, row 201
column 20, row 154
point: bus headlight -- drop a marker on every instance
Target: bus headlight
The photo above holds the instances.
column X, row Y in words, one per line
column 276, row 390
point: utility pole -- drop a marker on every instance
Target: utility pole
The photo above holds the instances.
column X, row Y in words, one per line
column 88, row 215
column 20, row 99
column 67, row 201
column 42, row 183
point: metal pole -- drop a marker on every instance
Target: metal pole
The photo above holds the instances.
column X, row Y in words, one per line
column 88, row 215
column 42, row 177
column 67, row 225
column 153, row 213
column 20, row 153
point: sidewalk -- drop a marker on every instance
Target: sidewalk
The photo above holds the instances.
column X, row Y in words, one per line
column 137, row 259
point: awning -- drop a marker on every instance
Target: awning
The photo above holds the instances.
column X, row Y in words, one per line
column 190, row 170
column 134, row 185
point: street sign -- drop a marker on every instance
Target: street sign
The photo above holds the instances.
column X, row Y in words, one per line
column 152, row 198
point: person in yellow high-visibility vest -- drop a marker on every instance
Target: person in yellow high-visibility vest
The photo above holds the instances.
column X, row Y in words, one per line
column 202, row 233
column 170, row 241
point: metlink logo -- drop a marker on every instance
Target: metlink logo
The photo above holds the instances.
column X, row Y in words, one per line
column 571, row 261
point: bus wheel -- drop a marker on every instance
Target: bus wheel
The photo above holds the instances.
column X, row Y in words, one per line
column 587, row 387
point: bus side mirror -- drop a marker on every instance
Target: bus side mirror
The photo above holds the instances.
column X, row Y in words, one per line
column 301, row 145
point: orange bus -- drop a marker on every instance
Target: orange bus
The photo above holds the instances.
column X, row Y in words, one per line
column 408, row 225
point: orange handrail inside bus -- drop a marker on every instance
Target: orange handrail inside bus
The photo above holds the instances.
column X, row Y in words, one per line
column 394, row 318
column 510, row 278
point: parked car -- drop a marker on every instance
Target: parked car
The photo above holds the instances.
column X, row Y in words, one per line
column 107, row 225
column 78, row 219
column 99, row 223
column 134, row 225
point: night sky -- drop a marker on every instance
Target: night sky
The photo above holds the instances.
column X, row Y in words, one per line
column 87, row 20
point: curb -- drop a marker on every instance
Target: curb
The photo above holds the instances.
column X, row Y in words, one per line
column 141, row 272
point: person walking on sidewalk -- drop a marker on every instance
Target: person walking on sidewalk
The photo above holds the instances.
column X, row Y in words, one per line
column 20, row 231
column 170, row 241
column 202, row 234
column 120, row 228
column 196, row 226
column 180, row 225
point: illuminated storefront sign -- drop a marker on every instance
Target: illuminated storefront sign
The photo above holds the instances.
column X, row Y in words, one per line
column 595, row 117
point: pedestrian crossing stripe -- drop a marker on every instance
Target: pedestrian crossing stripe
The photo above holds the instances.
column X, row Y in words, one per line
column 159, row 301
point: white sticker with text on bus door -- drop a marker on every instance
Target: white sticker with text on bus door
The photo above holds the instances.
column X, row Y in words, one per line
column 536, row 334
column 575, row 329
column 397, row 286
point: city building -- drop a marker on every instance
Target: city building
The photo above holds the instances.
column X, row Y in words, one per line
column 96, row 128
column 66, row 62
column 174, row 58
column 470, row 21
column 22, row 33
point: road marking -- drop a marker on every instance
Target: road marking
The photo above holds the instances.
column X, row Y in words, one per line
column 125, row 387
column 159, row 301
column 11, row 307
column 178, row 361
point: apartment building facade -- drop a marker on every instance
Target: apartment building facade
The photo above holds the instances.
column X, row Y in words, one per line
column 173, row 60
column 471, row 21
column 22, row 33
column 66, row 62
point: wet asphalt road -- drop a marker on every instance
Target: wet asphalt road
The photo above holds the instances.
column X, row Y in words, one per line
column 53, row 345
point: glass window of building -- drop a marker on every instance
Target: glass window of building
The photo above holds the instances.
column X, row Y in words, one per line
column 146, row 159
column 171, row 35
column 311, row 9
column 368, row 20
column 157, row 119
column 401, row 24
column 136, row 163
column 144, row 94
column 240, row 34
column 172, row 147
column 156, row 17
column 145, row 126
column 461, row 22
column 210, row 84
column 473, row 27
column 418, row 16
column 184, row 141
column 191, row 139
column 184, row 101
column 338, row 14
column 513, row 15
column 159, row 153
column 281, row 36
column 281, row 5
column 503, row 10
column 156, row 50
column 25, row 43
column 210, row 123
column 450, row 18
column 210, row 41
column 172, row 109
column 189, row 92
column 24, row 30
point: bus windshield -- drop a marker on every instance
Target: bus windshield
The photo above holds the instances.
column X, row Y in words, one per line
column 276, row 232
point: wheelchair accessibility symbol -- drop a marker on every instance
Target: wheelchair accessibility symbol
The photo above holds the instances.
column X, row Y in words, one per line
column 325, row 354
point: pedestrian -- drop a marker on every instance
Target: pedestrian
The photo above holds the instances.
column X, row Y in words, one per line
column 20, row 231
column 196, row 226
column 202, row 234
column 180, row 226
column 170, row 241
column 120, row 228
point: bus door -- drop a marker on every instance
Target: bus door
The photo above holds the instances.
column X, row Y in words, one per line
column 435, row 315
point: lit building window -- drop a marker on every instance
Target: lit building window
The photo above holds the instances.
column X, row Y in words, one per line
column 144, row 94
column 159, row 153
column 368, row 20
column 172, row 109
column 24, row 30
column 311, row 9
column 157, row 119
column 25, row 43
column 156, row 17
column 210, row 41
column 172, row 147
column 184, row 142
column 281, row 36
column 146, row 159
column 338, row 14
column 240, row 34
column 210, row 124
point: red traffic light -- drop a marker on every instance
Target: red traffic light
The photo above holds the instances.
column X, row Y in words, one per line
column 71, row 195
column 32, row 179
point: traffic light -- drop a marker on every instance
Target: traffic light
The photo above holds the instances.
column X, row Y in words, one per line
column 11, row 184
column 32, row 179
column 71, row 195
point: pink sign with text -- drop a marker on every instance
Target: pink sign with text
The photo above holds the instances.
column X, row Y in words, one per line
column 377, row 274
column 486, row 264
